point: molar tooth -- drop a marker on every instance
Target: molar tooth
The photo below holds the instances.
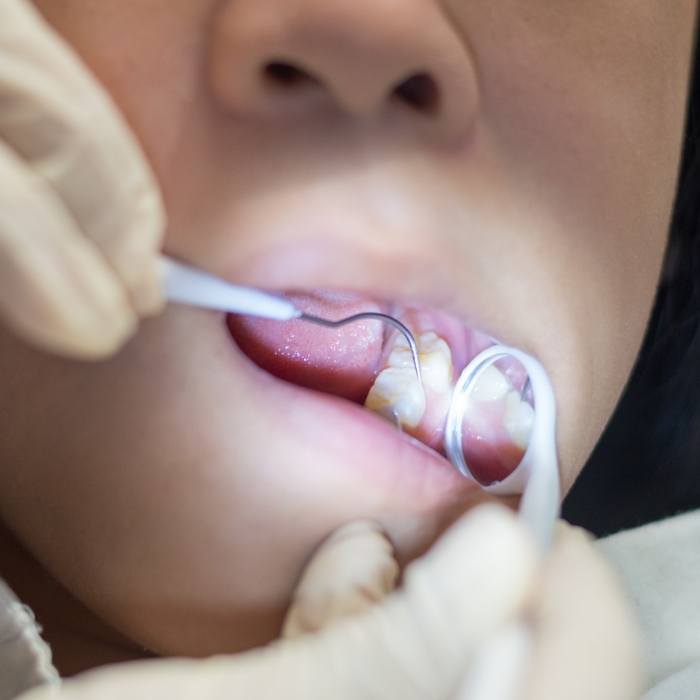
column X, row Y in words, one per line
column 397, row 395
column 492, row 385
column 518, row 419
column 436, row 363
column 435, row 360
column 429, row 341
column 401, row 356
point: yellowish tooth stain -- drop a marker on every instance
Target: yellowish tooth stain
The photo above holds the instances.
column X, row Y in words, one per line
column 396, row 393
column 436, row 363
column 397, row 396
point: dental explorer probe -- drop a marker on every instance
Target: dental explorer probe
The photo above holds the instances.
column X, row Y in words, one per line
column 188, row 285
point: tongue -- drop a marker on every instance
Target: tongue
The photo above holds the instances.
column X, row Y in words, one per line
column 341, row 361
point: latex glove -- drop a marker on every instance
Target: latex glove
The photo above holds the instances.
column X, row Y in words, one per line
column 80, row 215
column 418, row 643
column 586, row 642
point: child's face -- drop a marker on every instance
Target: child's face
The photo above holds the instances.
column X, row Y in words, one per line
column 177, row 489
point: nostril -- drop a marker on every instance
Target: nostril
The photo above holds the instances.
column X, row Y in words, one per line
column 419, row 91
column 287, row 74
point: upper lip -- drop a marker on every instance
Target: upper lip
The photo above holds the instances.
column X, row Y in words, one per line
column 405, row 273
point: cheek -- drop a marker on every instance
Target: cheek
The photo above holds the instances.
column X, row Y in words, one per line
column 585, row 108
column 582, row 109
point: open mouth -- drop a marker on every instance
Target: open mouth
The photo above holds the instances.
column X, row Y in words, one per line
column 369, row 363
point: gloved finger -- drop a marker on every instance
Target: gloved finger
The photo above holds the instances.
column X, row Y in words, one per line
column 500, row 665
column 351, row 571
column 586, row 641
column 415, row 646
column 58, row 118
column 56, row 290
column 418, row 644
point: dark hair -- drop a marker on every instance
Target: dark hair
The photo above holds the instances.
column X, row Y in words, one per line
column 647, row 463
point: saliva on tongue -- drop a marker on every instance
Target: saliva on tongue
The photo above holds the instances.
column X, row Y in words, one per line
column 345, row 362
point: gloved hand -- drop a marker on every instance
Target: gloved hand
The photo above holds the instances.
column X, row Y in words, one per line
column 80, row 214
column 588, row 643
column 418, row 643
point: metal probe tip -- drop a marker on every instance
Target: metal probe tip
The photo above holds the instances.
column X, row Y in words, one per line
column 374, row 316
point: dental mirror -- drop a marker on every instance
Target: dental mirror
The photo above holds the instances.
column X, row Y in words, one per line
column 501, row 433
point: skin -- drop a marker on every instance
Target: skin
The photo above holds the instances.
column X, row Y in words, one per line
column 533, row 202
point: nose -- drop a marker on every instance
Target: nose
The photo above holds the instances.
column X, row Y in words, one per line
column 286, row 59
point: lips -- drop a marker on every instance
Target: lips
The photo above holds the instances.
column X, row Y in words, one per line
column 358, row 363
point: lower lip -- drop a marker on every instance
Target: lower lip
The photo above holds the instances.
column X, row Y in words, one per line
column 351, row 438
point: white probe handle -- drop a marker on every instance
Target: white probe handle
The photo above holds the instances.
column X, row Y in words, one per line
column 187, row 285
column 498, row 671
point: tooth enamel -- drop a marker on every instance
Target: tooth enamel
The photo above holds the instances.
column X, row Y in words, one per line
column 436, row 363
column 400, row 356
column 435, row 360
column 396, row 393
column 492, row 385
column 518, row 419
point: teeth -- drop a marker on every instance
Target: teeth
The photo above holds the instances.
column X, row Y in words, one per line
column 435, row 360
column 492, row 385
column 396, row 393
column 518, row 419
column 436, row 363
